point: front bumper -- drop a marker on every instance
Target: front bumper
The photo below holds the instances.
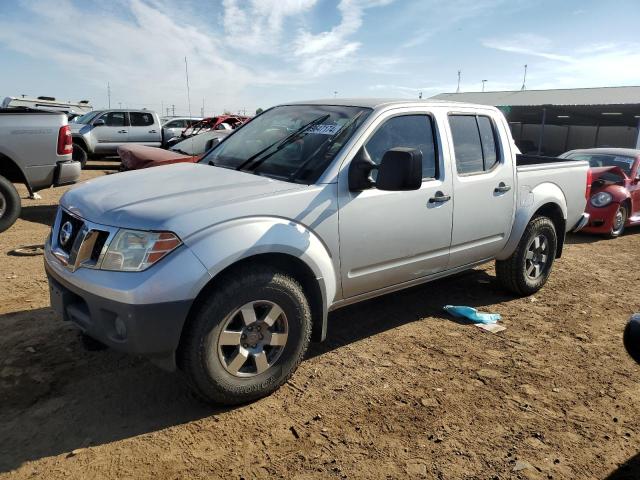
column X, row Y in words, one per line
column 601, row 218
column 583, row 222
column 140, row 313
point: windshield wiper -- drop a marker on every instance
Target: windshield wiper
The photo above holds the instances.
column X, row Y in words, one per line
column 255, row 160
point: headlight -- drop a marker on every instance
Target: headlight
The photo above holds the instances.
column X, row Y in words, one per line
column 601, row 199
column 134, row 250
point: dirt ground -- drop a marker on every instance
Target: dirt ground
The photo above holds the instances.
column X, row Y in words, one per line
column 399, row 389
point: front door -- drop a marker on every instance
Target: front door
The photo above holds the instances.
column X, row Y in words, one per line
column 484, row 188
column 112, row 134
column 387, row 238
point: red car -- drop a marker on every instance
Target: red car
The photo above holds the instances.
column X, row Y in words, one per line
column 219, row 123
column 135, row 157
column 614, row 195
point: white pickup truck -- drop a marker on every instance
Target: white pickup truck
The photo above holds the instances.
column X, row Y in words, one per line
column 35, row 150
column 227, row 268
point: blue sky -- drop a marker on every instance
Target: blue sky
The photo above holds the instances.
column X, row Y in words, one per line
column 257, row 53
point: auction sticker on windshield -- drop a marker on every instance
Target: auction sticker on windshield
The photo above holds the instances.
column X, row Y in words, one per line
column 324, row 129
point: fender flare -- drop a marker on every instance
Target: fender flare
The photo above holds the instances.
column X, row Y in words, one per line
column 530, row 201
column 223, row 245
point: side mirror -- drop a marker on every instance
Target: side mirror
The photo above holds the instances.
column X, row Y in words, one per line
column 631, row 337
column 99, row 123
column 211, row 143
column 400, row 169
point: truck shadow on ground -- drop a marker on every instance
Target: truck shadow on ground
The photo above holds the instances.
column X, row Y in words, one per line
column 44, row 214
column 579, row 238
column 57, row 397
column 629, row 470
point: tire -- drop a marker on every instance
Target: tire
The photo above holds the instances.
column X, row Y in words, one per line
column 210, row 360
column 10, row 206
column 528, row 268
column 79, row 154
column 619, row 219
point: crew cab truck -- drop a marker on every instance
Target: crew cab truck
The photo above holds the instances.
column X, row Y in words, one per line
column 101, row 132
column 227, row 268
column 35, row 150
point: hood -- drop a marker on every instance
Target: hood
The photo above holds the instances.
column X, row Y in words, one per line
column 598, row 172
column 134, row 157
column 79, row 127
column 179, row 198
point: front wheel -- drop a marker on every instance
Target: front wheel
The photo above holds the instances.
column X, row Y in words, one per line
column 619, row 219
column 248, row 338
column 528, row 268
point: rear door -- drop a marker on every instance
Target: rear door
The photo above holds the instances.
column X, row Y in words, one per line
column 113, row 133
column 483, row 185
column 144, row 129
column 388, row 238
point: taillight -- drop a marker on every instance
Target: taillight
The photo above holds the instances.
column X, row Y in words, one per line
column 587, row 193
column 65, row 142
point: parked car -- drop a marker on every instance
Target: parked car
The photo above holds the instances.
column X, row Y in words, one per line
column 135, row 157
column 228, row 267
column 173, row 127
column 221, row 122
column 614, row 178
column 101, row 132
column 35, row 150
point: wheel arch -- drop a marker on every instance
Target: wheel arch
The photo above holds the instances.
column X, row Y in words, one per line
column 282, row 262
column 12, row 172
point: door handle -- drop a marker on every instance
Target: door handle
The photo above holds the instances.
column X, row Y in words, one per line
column 440, row 198
column 122, row 131
column 501, row 188
column 152, row 131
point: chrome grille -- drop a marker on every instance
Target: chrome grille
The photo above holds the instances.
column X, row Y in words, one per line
column 76, row 242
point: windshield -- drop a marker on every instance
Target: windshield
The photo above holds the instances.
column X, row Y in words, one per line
column 197, row 144
column 600, row 160
column 87, row 117
column 293, row 142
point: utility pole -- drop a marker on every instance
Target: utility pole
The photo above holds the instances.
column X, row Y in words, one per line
column 483, row 82
column 109, row 93
column 120, row 105
column 524, row 80
column 173, row 110
column 420, row 95
column 167, row 111
column 335, row 93
column 459, row 75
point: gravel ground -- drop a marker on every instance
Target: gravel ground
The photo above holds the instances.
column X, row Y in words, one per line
column 399, row 389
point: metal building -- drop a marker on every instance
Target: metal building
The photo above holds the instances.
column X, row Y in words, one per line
column 553, row 121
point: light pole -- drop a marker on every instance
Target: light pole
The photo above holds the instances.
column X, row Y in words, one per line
column 459, row 74
column 483, row 82
column 524, row 80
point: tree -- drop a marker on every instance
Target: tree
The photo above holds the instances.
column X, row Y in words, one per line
column 259, row 111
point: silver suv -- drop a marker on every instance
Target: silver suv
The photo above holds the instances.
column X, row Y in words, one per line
column 101, row 132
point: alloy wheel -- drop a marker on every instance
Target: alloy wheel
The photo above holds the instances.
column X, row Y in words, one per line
column 537, row 257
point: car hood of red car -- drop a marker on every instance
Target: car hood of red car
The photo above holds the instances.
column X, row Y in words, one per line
column 135, row 157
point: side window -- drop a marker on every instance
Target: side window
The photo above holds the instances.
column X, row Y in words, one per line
column 140, row 119
column 410, row 131
column 474, row 143
column 114, row 119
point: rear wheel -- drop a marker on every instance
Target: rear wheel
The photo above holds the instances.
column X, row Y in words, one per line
column 619, row 219
column 528, row 268
column 248, row 338
column 9, row 204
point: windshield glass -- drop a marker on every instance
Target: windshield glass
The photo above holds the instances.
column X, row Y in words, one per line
column 197, row 144
column 293, row 142
column 87, row 117
column 600, row 160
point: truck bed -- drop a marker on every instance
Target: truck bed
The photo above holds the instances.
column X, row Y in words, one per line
column 524, row 160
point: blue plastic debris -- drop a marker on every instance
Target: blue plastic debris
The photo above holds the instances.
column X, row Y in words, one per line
column 461, row 311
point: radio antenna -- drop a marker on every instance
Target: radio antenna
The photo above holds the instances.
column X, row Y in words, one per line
column 186, row 72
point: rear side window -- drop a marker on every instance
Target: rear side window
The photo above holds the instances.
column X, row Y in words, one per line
column 175, row 124
column 140, row 119
column 114, row 119
column 474, row 143
column 410, row 131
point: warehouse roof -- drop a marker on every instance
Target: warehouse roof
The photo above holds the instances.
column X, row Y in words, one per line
column 568, row 96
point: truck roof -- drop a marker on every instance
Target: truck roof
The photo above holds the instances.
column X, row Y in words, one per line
column 382, row 102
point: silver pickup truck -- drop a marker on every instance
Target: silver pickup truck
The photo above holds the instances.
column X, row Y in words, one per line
column 227, row 268
column 101, row 132
column 35, row 150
